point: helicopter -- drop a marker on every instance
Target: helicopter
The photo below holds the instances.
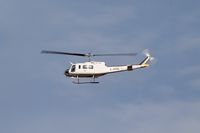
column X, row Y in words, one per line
column 95, row 69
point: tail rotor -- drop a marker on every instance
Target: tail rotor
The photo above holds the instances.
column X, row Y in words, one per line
column 150, row 58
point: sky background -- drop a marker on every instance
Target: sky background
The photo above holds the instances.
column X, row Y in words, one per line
column 35, row 96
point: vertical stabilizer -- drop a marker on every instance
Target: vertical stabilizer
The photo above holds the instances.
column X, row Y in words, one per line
column 145, row 62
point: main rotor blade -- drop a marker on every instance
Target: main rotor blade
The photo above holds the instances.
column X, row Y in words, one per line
column 88, row 54
column 62, row 53
column 117, row 54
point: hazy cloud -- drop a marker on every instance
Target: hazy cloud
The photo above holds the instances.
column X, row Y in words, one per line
column 35, row 96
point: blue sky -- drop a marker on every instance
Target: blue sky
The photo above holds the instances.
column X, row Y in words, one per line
column 36, row 97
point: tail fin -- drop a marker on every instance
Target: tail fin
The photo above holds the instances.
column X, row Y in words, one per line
column 148, row 58
column 145, row 61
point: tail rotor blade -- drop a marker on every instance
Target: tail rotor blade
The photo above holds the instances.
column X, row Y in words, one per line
column 153, row 60
column 146, row 52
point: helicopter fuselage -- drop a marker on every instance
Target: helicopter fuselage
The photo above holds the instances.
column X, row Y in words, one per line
column 96, row 69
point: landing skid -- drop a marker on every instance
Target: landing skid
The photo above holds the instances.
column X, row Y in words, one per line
column 85, row 82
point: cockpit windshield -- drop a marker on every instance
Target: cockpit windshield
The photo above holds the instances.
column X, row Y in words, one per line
column 73, row 68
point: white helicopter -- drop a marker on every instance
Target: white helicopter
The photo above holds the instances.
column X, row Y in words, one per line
column 94, row 69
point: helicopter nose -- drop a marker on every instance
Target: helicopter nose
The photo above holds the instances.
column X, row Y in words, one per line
column 67, row 72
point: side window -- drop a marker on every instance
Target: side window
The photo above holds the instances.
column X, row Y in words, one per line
column 90, row 67
column 73, row 68
column 84, row 66
column 79, row 66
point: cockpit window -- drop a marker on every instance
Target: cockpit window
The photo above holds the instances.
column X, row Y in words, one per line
column 73, row 68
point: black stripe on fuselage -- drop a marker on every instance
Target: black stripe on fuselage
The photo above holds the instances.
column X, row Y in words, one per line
column 85, row 75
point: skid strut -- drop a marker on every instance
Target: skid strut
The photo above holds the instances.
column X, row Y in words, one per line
column 90, row 82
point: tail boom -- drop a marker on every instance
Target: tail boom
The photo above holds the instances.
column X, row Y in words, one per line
column 143, row 64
